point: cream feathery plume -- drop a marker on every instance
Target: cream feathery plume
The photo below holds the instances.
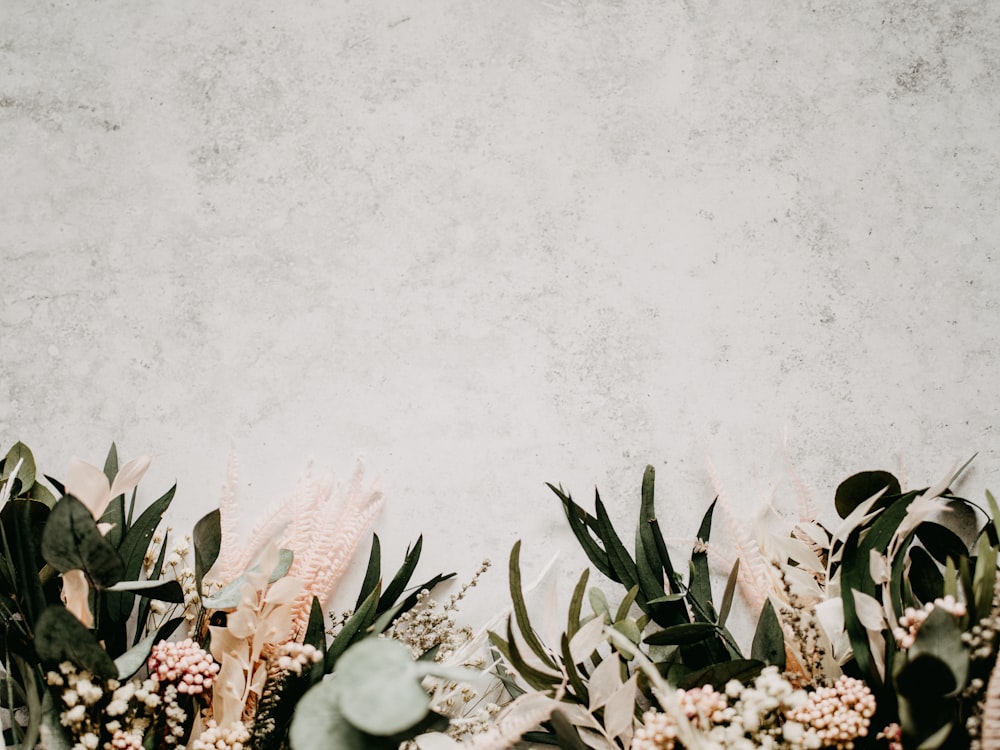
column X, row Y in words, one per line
column 807, row 510
column 321, row 524
column 753, row 573
column 323, row 551
column 230, row 562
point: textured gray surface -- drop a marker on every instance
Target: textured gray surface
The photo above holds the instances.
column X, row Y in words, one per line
column 487, row 245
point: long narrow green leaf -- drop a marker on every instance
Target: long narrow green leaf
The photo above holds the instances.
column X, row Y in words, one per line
column 576, row 603
column 619, row 558
column 373, row 573
column 649, row 567
column 207, row 538
column 985, row 577
column 572, row 675
column 580, row 523
column 567, row 734
column 401, row 580
column 536, row 678
column 855, row 575
column 727, row 596
column 410, row 601
column 700, row 584
column 111, row 464
column 355, row 626
column 688, row 632
column 315, row 636
column 19, row 524
column 133, row 551
column 626, row 603
column 521, row 609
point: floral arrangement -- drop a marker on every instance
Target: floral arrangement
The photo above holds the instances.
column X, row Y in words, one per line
column 879, row 630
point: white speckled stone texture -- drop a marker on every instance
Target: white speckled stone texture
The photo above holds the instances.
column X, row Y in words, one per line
column 485, row 245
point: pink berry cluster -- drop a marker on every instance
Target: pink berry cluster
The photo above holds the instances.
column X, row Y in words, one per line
column 906, row 632
column 183, row 662
column 839, row 714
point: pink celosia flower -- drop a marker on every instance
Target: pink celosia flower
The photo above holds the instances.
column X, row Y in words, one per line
column 185, row 664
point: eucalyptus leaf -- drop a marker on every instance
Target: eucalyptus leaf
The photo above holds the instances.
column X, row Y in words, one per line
column 72, row 541
column 228, row 597
column 59, row 636
column 383, row 695
column 18, row 465
column 860, row 487
column 769, row 639
column 132, row 660
column 688, row 632
column 207, row 538
column 318, row 721
column 165, row 591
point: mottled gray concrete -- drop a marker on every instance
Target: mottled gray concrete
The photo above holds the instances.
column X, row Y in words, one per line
column 486, row 245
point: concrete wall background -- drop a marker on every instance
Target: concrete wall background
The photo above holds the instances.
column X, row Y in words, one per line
column 485, row 245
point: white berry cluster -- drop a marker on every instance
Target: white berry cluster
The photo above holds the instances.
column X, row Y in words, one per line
column 768, row 714
column 839, row 714
column 294, row 657
column 174, row 563
column 228, row 737
column 103, row 714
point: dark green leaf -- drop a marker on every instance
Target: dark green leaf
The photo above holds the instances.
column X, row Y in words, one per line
column 689, row 632
column 133, row 551
column 111, row 464
column 619, row 558
column 164, row 591
column 769, row 639
column 717, row 675
column 536, row 678
column 925, row 578
column 59, row 636
column 207, row 538
column 21, row 526
column 401, row 580
column 132, row 660
column 72, row 541
column 730, row 592
column 373, row 574
column 572, row 675
column 354, row 628
column 521, row 609
column 856, row 489
column 576, row 604
column 25, row 475
column 700, row 585
column 941, row 542
column 566, row 733
column 315, row 636
column 580, row 522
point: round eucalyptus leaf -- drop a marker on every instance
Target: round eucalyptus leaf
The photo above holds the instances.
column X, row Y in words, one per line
column 71, row 541
column 381, row 687
column 856, row 489
column 318, row 721
column 59, row 636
